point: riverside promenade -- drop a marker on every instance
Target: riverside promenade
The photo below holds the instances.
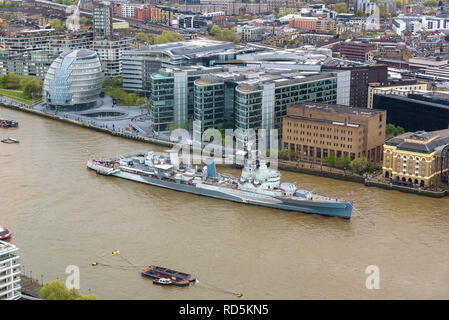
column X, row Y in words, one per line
column 122, row 121
column 30, row 287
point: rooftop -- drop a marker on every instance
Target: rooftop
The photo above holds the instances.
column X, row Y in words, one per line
column 195, row 46
column 421, row 141
column 6, row 247
column 338, row 109
column 79, row 53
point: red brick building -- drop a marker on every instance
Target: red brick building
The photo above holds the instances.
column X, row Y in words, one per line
column 142, row 13
column 355, row 50
column 304, row 23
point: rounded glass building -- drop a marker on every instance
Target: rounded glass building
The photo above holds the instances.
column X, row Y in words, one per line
column 73, row 81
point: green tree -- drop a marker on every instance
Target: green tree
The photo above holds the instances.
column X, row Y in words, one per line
column 342, row 162
column 341, row 8
column 361, row 165
column 12, row 81
column 215, row 30
column 57, row 24
column 140, row 101
column 85, row 20
column 8, row 16
column 31, row 87
column 224, row 34
column 141, row 37
column 430, row 3
column 285, row 13
column 117, row 82
column 168, row 36
column 330, row 160
column 56, row 290
column 394, row 130
column 107, row 82
column 283, row 154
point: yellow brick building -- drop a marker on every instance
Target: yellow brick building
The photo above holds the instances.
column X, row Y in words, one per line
column 417, row 157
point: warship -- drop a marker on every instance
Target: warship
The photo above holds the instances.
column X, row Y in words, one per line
column 258, row 184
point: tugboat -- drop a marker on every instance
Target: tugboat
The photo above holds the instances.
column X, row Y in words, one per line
column 8, row 123
column 164, row 276
column 10, row 140
column 4, row 233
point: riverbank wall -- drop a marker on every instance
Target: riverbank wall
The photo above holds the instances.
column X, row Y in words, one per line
column 418, row 191
column 284, row 165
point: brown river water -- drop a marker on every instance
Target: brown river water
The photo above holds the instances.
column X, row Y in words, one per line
column 64, row 214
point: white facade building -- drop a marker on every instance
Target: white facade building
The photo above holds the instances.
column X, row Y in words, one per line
column 127, row 10
column 419, row 23
column 10, row 287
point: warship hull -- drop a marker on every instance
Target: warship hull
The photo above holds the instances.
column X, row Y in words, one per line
column 341, row 209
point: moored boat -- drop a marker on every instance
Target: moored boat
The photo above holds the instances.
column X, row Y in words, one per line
column 4, row 233
column 164, row 276
column 8, row 123
column 10, row 140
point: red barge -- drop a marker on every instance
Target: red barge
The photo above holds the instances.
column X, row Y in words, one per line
column 164, row 276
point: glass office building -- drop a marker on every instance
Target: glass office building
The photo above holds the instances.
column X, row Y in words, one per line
column 73, row 81
column 234, row 97
column 140, row 64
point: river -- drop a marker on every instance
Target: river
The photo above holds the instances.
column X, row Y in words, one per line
column 62, row 214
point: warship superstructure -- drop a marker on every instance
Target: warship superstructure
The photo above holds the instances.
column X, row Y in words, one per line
column 257, row 185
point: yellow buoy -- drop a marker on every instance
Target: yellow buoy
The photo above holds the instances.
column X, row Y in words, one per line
column 239, row 295
column 116, row 252
column 94, row 263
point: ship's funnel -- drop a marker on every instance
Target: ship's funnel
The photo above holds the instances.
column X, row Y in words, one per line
column 211, row 172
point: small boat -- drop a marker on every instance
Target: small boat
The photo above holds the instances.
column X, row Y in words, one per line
column 4, row 233
column 10, row 140
column 8, row 123
column 175, row 278
column 163, row 282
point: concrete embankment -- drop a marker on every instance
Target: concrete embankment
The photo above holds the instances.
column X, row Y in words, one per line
column 284, row 165
column 421, row 192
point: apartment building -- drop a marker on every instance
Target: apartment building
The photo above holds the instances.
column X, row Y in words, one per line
column 10, row 288
column 102, row 18
column 110, row 53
